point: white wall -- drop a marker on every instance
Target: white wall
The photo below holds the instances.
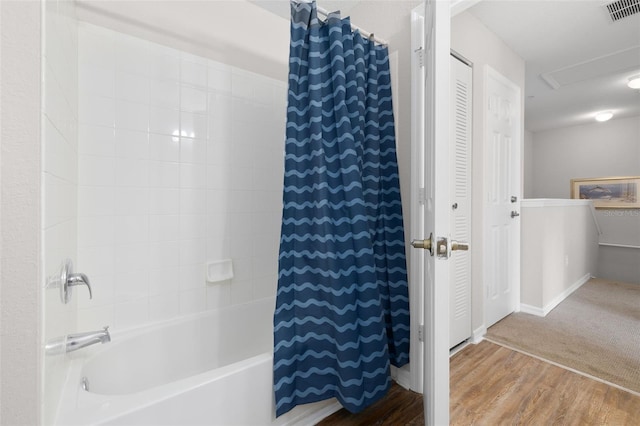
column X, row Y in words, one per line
column 60, row 179
column 559, row 251
column 20, row 173
column 471, row 39
column 527, row 166
column 591, row 150
column 595, row 150
column 619, row 264
column 180, row 164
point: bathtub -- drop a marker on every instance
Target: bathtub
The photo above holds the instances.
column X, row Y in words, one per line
column 213, row 368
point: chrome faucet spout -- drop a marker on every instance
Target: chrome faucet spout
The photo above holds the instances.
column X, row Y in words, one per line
column 73, row 342
column 82, row 340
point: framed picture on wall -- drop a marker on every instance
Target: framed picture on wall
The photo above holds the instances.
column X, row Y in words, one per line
column 608, row 192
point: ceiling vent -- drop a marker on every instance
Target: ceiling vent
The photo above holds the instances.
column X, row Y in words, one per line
column 622, row 8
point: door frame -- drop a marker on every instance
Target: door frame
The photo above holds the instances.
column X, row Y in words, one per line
column 416, row 260
column 431, row 374
column 436, row 183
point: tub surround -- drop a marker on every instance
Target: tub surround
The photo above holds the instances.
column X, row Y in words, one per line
column 157, row 162
column 180, row 164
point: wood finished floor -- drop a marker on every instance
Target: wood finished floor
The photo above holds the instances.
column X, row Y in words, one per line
column 493, row 385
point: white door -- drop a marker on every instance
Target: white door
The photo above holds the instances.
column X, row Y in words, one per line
column 460, row 175
column 431, row 186
column 502, row 227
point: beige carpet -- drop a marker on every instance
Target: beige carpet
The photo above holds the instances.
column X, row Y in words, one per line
column 596, row 330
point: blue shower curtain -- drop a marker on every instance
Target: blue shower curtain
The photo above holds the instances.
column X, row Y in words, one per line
column 342, row 307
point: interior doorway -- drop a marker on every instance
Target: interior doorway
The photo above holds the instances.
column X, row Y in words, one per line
column 502, row 205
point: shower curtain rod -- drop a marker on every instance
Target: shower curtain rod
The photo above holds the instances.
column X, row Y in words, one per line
column 356, row 28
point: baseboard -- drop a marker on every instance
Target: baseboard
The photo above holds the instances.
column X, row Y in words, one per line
column 402, row 376
column 542, row 312
column 532, row 310
column 478, row 334
column 323, row 410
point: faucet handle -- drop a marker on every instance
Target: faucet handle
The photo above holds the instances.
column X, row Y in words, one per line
column 65, row 278
column 79, row 278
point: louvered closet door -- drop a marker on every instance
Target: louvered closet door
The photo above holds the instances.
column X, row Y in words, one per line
column 460, row 262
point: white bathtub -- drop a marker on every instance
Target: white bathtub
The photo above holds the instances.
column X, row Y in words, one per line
column 213, row 368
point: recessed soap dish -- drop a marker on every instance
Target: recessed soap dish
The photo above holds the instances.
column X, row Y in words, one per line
column 219, row 270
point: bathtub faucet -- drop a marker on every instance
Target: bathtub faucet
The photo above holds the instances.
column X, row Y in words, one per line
column 73, row 342
column 82, row 340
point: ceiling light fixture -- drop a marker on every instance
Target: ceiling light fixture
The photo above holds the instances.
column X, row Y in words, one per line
column 604, row 116
column 634, row 82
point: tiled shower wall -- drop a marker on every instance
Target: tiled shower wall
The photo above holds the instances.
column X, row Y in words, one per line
column 59, row 180
column 180, row 164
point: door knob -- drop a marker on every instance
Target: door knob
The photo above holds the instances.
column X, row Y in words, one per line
column 454, row 206
column 514, row 214
column 459, row 245
column 424, row 244
column 514, row 198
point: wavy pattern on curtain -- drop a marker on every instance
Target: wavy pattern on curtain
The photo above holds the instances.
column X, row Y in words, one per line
column 342, row 308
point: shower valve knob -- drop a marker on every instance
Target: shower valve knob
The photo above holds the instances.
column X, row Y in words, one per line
column 65, row 279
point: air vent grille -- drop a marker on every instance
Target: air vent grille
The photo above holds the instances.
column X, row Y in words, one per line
column 623, row 8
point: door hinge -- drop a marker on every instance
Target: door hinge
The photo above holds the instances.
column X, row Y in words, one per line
column 422, row 196
column 421, row 332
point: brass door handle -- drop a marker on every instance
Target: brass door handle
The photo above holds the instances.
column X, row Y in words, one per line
column 459, row 245
column 424, row 244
